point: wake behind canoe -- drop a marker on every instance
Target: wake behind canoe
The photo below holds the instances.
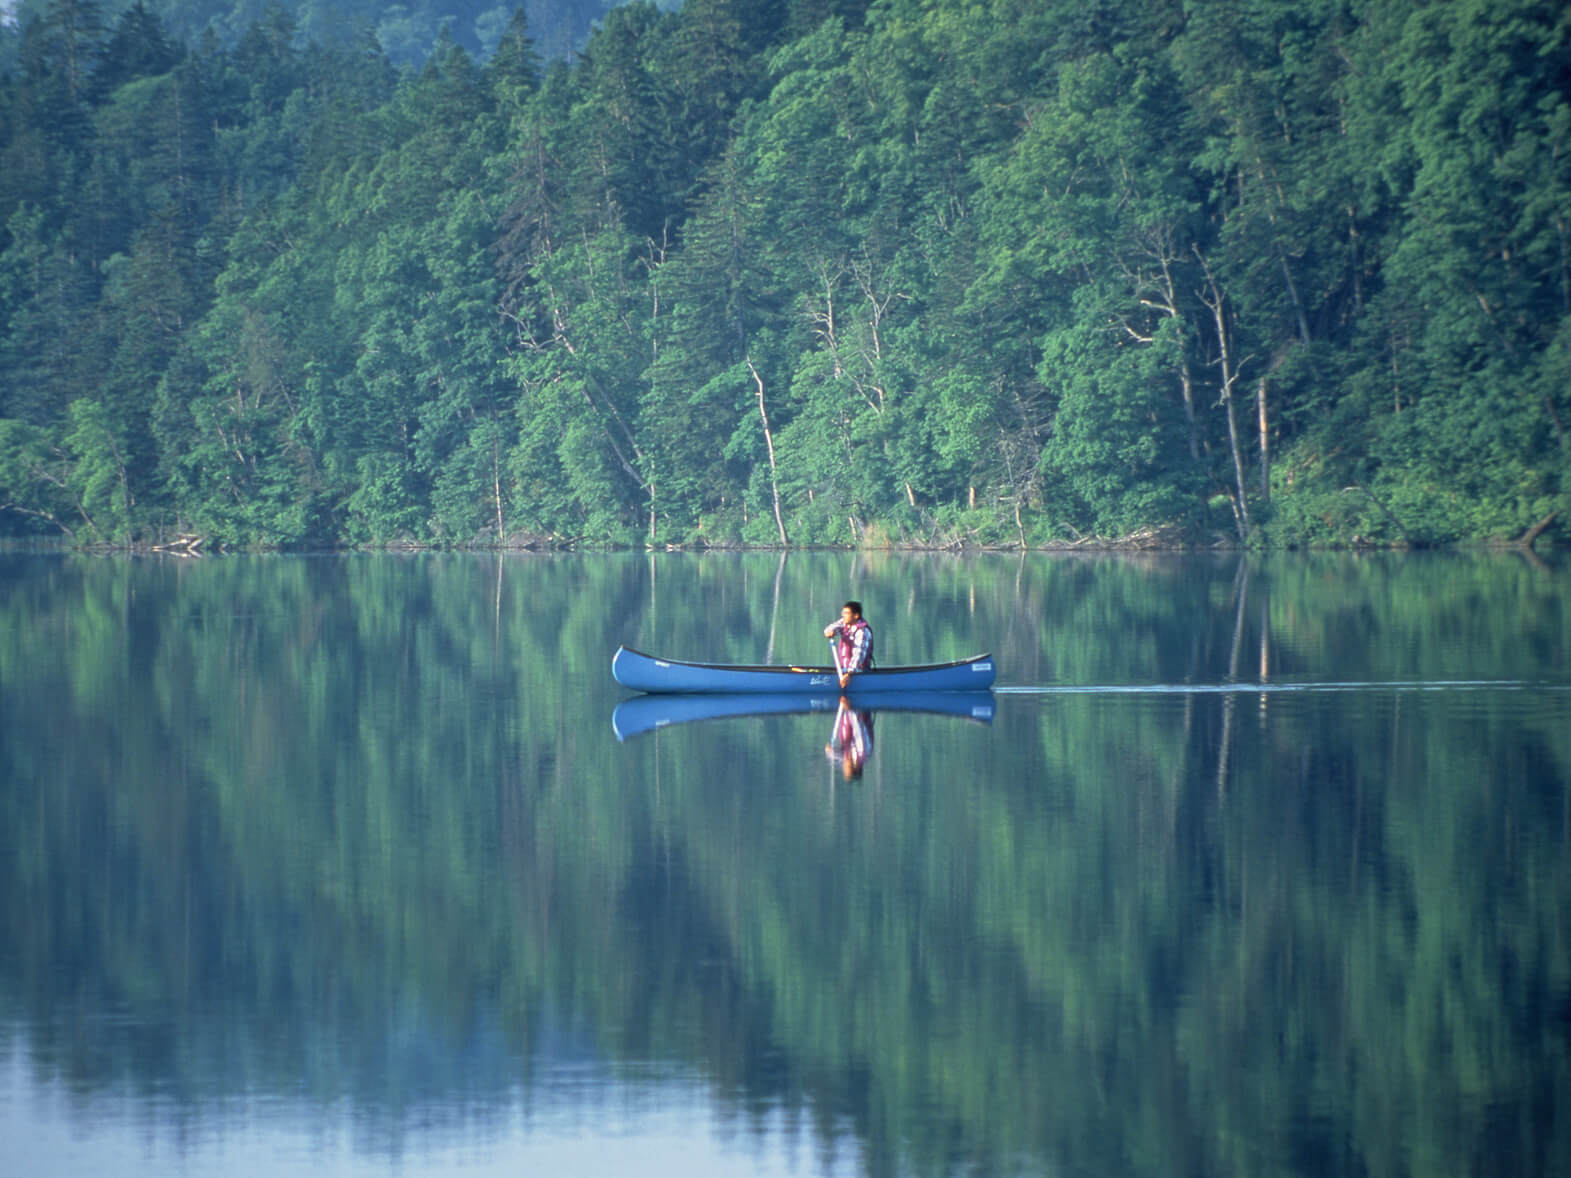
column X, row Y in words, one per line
column 644, row 672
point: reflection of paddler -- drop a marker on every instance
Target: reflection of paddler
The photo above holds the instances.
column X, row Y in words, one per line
column 852, row 742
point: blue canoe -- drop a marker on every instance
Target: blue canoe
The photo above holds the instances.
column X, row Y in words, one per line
column 643, row 672
column 645, row 713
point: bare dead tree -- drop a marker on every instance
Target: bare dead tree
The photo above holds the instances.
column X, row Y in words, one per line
column 769, row 443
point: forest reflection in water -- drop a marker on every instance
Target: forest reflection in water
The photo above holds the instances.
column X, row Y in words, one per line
column 333, row 864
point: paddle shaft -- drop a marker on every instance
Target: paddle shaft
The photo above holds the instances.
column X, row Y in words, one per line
column 841, row 673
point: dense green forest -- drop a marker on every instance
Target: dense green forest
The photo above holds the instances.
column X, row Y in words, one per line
column 793, row 272
column 406, row 33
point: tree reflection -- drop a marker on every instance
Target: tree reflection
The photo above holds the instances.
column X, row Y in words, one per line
column 354, row 830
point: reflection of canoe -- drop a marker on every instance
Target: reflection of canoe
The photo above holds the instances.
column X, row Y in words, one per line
column 644, row 672
column 643, row 713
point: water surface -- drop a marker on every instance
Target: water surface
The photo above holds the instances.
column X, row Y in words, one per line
column 336, row 865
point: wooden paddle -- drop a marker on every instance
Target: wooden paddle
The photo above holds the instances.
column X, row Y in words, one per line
column 840, row 674
column 834, row 653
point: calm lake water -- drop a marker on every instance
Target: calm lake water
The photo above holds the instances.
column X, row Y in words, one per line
column 338, row 866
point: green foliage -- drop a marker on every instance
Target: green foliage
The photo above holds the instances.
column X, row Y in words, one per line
column 384, row 504
column 1005, row 273
column 98, row 477
column 1118, row 434
column 34, row 495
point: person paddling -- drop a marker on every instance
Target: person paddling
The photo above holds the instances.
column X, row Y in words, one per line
column 853, row 639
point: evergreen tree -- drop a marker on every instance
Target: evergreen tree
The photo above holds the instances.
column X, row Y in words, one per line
column 932, row 270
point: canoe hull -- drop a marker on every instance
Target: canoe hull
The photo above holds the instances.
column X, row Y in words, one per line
column 645, row 713
column 643, row 672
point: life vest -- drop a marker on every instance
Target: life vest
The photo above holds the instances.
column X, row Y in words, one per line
column 847, row 647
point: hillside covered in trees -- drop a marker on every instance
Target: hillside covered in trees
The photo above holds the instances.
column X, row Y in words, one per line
column 405, row 32
column 794, row 271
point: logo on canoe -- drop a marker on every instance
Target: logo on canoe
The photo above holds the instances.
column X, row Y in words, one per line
column 981, row 666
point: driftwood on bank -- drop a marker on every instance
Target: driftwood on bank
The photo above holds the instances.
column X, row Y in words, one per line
column 189, row 544
column 1525, row 540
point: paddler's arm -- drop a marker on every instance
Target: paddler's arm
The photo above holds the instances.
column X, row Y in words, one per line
column 829, row 632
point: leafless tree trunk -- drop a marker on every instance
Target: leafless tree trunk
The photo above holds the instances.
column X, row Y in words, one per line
column 1157, row 291
column 1265, row 445
column 1217, row 304
column 769, row 443
column 496, row 479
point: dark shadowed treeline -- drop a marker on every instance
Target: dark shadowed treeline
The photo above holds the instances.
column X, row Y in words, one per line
column 800, row 272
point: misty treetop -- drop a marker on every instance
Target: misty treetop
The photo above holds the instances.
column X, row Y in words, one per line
column 406, row 32
column 801, row 272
